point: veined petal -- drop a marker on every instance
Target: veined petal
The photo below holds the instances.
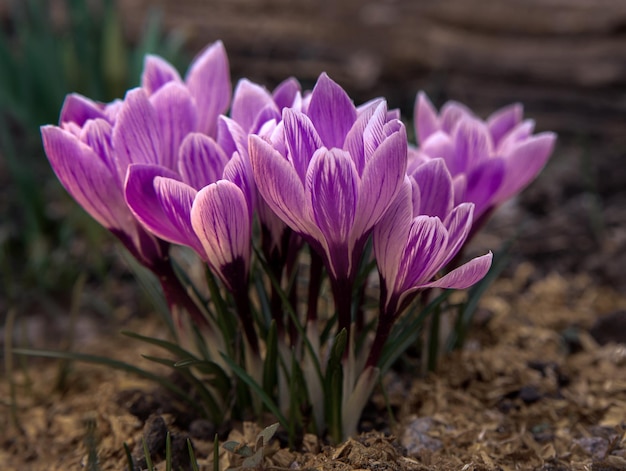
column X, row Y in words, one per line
column 176, row 116
column 472, row 143
column 208, row 80
column 86, row 177
column 286, row 92
column 525, row 162
column 200, row 160
column 231, row 137
column 459, row 184
column 423, row 252
column 156, row 73
column 96, row 133
column 176, row 199
column 332, row 185
column 301, row 139
column 79, row 109
column 390, row 234
column 374, row 132
column 354, row 142
column 435, row 184
column 136, row 133
column 483, row 184
column 504, row 120
column 145, row 204
column 239, row 172
column 425, row 118
column 219, row 217
column 331, row 111
column 248, row 101
column 464, row 276
column 380, row 182
column 458, row 224
column 279, row 184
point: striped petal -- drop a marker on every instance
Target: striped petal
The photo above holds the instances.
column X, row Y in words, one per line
column 79, row 109
column 156, row 73
column 208, row 80
column 219, row 217
column 301, row 139
column 464, row 276
column 331, row 111
column 200, row 160
column 435, row 184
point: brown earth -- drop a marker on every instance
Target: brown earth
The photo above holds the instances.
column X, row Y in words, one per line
column 533, row 389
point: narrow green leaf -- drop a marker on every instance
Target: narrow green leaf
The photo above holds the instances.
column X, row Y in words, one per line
column 270, row 364
column 129, row 457
column 146, row 453
column 216, row 453
column 333, row 385
column 254, row 386
column 168, row 452
column 192, row 456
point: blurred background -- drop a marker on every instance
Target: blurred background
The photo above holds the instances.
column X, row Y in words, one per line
column 565, row 60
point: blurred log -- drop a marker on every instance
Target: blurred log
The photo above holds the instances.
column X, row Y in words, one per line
column 564, row 59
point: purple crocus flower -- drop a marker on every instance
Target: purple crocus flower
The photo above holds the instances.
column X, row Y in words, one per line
column 95, row 143
column 216, row 221
column 416, row 239
column 490, row 161
column 330, row 175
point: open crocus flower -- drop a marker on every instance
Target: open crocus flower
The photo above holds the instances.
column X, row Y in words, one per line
column 95, row 143
column 331, row 175
column 415, row 240
column 491, row 160
column 215, row 221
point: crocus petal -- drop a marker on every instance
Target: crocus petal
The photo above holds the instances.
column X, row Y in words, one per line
column 503, row 120
column 458, row 224
column 423, row 251
column 136, row 134
column 374, row 132
column 301, row 139
column 200, row 160
column 451, row 114
column 439, row 145
column 472, row 143
column 332, row 185
column 354, row 142
column 425, row 118
column 464, row 276
column 219, row 217
column 176, row 115
column 285, row 93
column 380, row 182
column 390, row 234
column 279, row 184
column 483, row 183
column 79, row 109
column 239, row 172
column 86, row 177
column 248, row 101
column 156, row 73
column 231, row 137
column 525, row 162
column 208, row 80
column 97, row 134
column 331, row 111
column 435, row 184
column 143, row 201
column 518, row 134
column 176, row 199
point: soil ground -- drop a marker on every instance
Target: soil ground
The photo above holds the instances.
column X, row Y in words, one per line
column 541, row 384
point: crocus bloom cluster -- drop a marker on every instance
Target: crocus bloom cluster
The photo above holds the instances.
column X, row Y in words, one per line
column 166, row 165
column 490, row 161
